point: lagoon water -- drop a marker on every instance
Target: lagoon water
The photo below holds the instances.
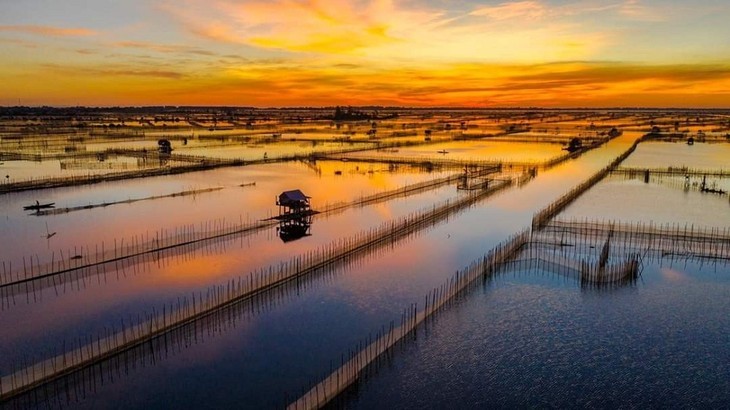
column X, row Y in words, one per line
column 523, row 339
column 535, row 339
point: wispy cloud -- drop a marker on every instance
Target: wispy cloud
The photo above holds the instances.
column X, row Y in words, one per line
column 525, row 10
column 106, row 72
column 637, row 10
column 310, row 26
column 49, row 31
column 164, row 48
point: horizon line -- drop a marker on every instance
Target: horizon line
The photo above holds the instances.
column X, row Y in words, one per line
column 385, row 107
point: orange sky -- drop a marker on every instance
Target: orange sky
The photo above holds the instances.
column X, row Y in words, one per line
column 379, row 52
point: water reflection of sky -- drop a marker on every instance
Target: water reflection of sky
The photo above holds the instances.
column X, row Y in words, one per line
column 656, row 202
column 532, row 339
column 523, row 336
column 25, row 235
column 679, row 154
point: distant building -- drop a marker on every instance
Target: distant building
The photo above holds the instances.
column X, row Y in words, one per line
column 164, row 146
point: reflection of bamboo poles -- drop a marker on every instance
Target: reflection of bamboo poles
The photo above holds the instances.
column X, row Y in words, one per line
column 672, row 171
column 188, row 311
column 685, row 183
column 160, row 240
column 372, row 349
column 410, row 189
column 191, row 163
column 460, row 163
column 688, row 240
column 182, row 236
column 76, row 280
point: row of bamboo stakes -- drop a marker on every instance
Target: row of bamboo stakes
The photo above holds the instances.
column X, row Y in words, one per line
column 460, row 163
column 685, row 183
column 535, row 255
column 81, row 257
column 672, row 171
column 371, row 349
column 688, row 240
column 58, row 279
column 410, row 319
column 410, row 225
column 517, row 252
column 81, row 279
column 592, row 274
column 546, row 214
column 191, row 163
column 577, row 266
column 203, row 304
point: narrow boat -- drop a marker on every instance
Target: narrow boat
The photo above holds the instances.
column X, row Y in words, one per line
column 443, row 151
column 38, row 206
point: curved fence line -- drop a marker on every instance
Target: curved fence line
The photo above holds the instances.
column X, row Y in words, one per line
column 188, row 310
column 85, row 257
column 687, row 239
column 561, row 203
column 369, row 351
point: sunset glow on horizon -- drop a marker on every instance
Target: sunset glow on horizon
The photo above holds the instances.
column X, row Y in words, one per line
column 540, row 53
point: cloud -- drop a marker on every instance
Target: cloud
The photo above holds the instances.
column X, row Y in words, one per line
column 525, row 10
column 316, row 83
column 635, row 10
column 142, row 72
column 18, row 42
column 164, row 48
column 384, row 32
column 49, row 31
column 322, row 26
column 558, row 84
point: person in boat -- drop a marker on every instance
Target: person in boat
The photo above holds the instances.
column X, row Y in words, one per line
column 38, row 204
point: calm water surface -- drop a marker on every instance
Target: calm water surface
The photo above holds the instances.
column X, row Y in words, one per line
column 533, row 339
column 281, row 348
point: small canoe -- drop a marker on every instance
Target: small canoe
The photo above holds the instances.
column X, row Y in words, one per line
column 39, row 206
column 443, row 151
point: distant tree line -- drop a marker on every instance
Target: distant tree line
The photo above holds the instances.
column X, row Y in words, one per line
column 351, row 114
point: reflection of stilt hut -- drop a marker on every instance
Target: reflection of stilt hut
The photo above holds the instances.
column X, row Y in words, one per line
column 295, row 215
column 293, row 203
column 291, row 229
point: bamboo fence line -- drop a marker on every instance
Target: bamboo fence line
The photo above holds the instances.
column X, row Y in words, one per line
column 193, row 163
column 688, row 239
column 55, row 211
column 150, row 242
column 84, row 257
column 418, row 161
column 686, row 183
column 411, row 189
column 188, row 310
column 587, row 273
column 369, row 351
column 551, row 163
column 459, row 163
column 74, row 386
column 621, row 272
column 593, row 270
column 57, row 182
column 515, row 252
column 540, row 218
column 673, row 171
column 80, row 279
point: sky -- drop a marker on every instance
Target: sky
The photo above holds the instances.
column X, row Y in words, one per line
column 271, row 53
